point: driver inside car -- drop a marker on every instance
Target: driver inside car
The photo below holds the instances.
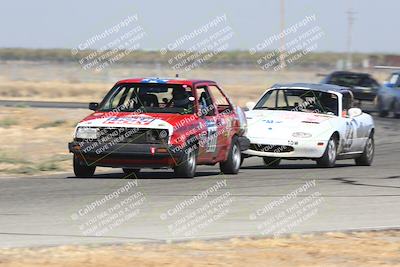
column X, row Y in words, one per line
column 180, row 98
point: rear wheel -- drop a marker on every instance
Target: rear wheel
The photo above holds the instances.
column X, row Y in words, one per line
column 129, row 171
column 233, row 162
column 186, row 168
column 82, row 169
column 271, row 162
column 368, row 155
column 328, row 160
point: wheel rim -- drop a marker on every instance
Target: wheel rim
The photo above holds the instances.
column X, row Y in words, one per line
column 236, row 156
column 191, row 160
column 370, row 149
column 331, row 150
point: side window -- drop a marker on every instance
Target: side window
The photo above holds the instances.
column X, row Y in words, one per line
column 221, row 101
column 205, row 103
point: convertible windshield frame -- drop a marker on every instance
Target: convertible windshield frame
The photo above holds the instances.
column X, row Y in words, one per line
column 300, row 100
column 148, row 98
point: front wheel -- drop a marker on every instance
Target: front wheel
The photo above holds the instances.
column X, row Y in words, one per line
column 82, row 169
column 382, row 113
column 186, row 168
column 328, row 159
column 233, row 162
column 368, row 154
column 396, row 109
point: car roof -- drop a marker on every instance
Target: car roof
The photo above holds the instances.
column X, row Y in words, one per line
column 342, row 72
column 312, row 86
column 157, row 80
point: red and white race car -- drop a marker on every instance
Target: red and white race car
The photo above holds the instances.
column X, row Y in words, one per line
column 158, row 123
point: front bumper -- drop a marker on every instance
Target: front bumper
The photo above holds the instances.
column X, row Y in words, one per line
column 283, row 148
column 124, row 155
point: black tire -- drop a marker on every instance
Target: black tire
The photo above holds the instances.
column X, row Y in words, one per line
column 232, row 164
column 396, row 109
column 328, row 159
column 186, row 168
column 382, row 113
column 129, row 172
column 368, row 154
column 81, row 169
column 271, row 162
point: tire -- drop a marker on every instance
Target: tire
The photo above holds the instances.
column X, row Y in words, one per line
column 382, row 113
column 232, row 164
column 186, row 168
column 271, row 162
column 368, row 155
column 129, row 172
column 328, row 159
column 396, row 109
column 81, row 169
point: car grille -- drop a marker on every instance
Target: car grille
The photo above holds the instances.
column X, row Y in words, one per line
column 271, row 148
column 131, row 135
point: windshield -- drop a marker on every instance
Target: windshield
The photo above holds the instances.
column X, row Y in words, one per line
column 299, row 100
column 149, row 98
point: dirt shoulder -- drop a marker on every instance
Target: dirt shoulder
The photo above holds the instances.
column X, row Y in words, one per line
column 380, row 248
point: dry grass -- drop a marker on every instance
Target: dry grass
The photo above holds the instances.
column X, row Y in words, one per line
column 331, row 249
column 37, row 141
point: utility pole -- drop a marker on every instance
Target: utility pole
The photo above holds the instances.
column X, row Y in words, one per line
column 350, row 22
column 282, row 44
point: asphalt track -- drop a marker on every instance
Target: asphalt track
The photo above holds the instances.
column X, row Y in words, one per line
column 50, row 210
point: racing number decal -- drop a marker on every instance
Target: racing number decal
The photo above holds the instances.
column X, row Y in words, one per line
column 211, row 144
column 350, row 132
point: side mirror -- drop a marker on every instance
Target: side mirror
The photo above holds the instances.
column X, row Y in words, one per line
column 93, row 106
column 250, row 105
column 354, row 112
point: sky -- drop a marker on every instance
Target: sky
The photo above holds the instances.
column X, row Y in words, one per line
column 67, row 23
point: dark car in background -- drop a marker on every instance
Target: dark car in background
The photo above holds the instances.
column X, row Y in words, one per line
column 363, row 86
column 388, row 98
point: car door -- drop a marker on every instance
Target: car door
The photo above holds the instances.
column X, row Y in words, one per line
column 225, row 120
column 209, row 134
column 351, row 124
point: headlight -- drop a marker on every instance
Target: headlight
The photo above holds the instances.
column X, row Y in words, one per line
column 301, row 135
column 86, row 133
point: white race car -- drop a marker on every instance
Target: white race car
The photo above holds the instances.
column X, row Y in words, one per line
column 309, row 121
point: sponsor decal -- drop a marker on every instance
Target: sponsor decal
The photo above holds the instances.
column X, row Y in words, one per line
column 272, row 121
column 211, row 136
column 129, row 120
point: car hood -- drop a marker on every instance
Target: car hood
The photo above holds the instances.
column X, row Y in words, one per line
column 282, row 124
